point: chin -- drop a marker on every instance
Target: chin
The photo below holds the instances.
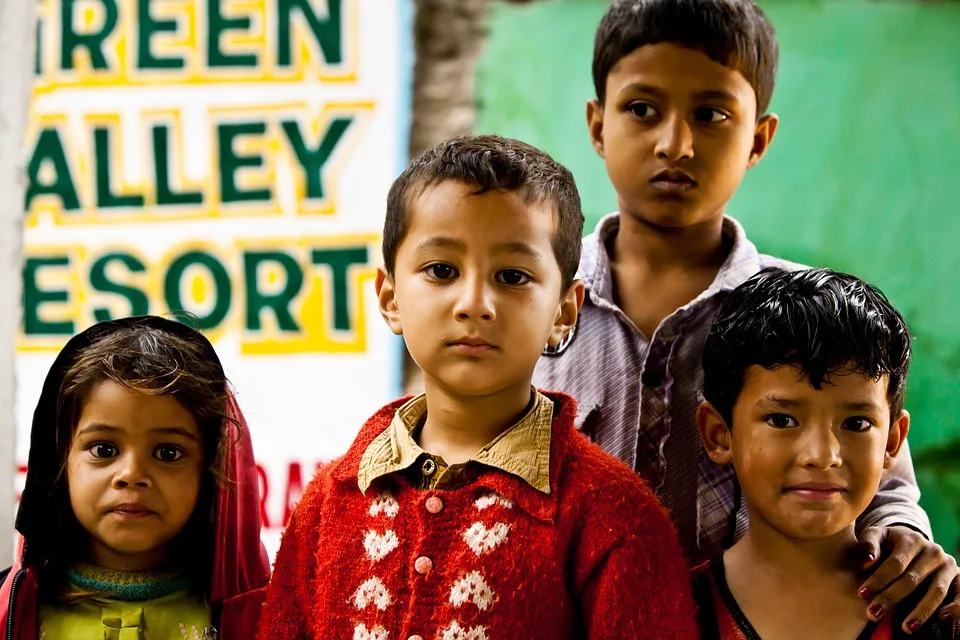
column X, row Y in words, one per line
column 670, row 215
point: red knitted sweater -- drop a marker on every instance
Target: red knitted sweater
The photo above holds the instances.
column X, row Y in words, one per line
column 495, row 560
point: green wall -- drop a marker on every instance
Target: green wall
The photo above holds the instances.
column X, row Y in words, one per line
column 864, row 174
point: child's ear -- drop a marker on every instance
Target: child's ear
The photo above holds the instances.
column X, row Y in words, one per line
column 387, row 299
column 714, row 433
column 595, row 124
column 762, row 137
column 899, row 429
column 567, row 313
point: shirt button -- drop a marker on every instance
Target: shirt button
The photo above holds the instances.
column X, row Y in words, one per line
column 429, row 466
column 423, row 565
column 434, row 504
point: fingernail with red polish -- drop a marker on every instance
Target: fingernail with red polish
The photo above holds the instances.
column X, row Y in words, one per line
column 876, row 610
column 944, row 615
column 866, row 594
column 913, row 625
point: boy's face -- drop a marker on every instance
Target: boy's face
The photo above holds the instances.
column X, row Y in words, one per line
column 476, row 289
column 677, row 132
column 809, row 462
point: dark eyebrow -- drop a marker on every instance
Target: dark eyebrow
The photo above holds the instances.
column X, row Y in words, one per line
column 439, row 242
column 714, row 94
column 107, row 429
column 777, row 401
column 864, row 406
column 787, row 403
column 700, row 96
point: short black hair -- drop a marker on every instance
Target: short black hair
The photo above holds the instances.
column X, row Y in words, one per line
column 488, row 162
column 819, row 320
column 734, row 33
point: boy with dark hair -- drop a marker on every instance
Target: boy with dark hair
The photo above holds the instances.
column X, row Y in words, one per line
column 804, row 375
column 476, row 511
column 680, row 115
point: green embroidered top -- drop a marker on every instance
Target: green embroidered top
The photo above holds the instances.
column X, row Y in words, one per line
column 135, row 606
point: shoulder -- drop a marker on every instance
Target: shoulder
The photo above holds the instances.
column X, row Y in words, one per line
column 605, row 487
column 780, row 263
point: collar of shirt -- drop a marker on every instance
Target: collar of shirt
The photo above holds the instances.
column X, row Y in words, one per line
column 742, row 262
column 522, row 450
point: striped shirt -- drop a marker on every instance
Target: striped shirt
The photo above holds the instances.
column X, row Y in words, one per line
column 638, row 399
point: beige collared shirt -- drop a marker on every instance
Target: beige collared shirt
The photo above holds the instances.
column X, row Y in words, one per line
column 522, row 450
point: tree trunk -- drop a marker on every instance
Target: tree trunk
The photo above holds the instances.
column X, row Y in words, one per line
column 448, row 36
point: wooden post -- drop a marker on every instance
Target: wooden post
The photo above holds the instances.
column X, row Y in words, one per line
column 17, row 46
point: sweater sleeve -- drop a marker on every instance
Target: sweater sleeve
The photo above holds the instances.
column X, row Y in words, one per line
column 633, row 581
column 288, row 607
column 898, row 499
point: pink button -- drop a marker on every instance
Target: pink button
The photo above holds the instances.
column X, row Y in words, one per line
column 423, row 565
column 415, row 638
column 434, row 504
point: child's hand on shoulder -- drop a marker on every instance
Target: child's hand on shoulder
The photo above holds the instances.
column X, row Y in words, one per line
column 909, row 562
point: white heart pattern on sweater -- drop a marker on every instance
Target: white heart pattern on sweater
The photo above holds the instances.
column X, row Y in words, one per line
column 385, row 503
column 373, row 592
column 360, row 632
column 482, row 540
column 472, row 588
column 379, row 546
column 491, row 499
column 456, row 632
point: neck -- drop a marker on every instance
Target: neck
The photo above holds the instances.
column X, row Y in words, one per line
column 457, row 426
column 764, row 549
column 107, row 558
column 657, row 249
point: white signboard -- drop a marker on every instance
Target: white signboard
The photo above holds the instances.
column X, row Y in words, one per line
column 230, row 158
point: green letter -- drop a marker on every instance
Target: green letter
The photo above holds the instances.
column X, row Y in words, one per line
column 327, row 32
column 279, row 302
column 105, row 197
column 147, row 27
column 161, row 163
column 34, row 296
column 221, row 281
column 50, row 148
column 230, row 162
column 312, row 160
column 339, row 261
column 93, row 42
column 139, row 305
column 217, row 23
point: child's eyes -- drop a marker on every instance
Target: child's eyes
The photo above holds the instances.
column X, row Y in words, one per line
column 102, row 450
column 168, row 453
column 781, row 421
column 711, row 115
column 857, row 424
column 441, row 271
column 642, row 110
column 513, row 277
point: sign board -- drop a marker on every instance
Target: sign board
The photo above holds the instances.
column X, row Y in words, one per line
column 230, row 158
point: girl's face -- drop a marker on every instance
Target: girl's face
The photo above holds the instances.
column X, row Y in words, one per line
column 134, row 472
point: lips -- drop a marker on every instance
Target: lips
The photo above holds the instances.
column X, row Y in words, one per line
column 471, row 346
column 673, row 181
column 132, row 509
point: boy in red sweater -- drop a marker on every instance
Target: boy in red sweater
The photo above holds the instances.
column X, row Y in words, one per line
column 804, row 378
column 476, row 511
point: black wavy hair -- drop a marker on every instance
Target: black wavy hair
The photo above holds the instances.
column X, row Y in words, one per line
column 488, row 162
column 734, row 33
column 818, row 320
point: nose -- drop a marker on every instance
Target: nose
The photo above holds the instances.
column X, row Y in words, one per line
column 675, row 142
column 475, row 299
column 819, row 448
column 132, row 472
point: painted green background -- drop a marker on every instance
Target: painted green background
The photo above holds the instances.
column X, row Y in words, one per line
column 864, row 174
